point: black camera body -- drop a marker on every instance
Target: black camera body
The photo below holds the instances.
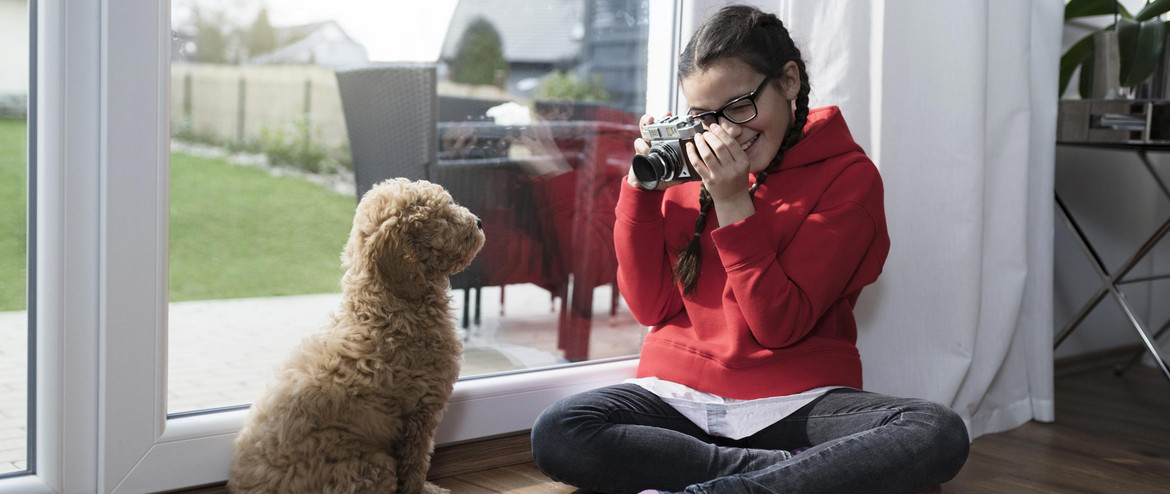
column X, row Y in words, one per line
column 667, row 159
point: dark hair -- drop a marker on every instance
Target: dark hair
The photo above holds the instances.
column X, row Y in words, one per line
column 759, row 40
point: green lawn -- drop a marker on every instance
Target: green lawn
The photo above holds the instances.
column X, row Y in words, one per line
column 240, row 232
column 235, row 231
column 13, row 214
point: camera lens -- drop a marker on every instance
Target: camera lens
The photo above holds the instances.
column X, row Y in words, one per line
column 648, row 169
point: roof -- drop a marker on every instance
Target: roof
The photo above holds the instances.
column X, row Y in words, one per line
column 323, row 43
column 530, row 31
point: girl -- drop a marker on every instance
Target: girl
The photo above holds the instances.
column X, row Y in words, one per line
column 749, row 381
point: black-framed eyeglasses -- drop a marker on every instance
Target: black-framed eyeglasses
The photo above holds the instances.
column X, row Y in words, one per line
column 739, row 110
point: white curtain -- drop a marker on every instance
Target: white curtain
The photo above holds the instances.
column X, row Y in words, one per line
column 956, row 103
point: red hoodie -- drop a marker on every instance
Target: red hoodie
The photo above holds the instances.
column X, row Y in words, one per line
column 772, row 313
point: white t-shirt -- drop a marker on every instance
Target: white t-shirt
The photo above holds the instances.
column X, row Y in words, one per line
column 726, row 417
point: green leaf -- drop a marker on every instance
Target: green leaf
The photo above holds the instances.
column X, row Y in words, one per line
column 1152, row 10
column 1074, row 57
column 1087, row 8
column 1140, row 45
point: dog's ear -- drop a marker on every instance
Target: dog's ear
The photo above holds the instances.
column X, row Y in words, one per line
column 395, row 257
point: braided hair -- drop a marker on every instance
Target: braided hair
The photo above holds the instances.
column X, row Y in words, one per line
column 760, row 41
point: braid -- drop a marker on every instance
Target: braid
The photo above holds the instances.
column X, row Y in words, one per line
column 686, row 268
column 760, row 40
column 800, row 116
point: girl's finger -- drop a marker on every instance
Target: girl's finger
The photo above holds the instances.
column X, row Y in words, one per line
column 724, row 145
column 696, row 162
column 641, row 146
column 704, row 150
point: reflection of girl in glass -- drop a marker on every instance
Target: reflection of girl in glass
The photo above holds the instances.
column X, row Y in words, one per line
column 749, row 381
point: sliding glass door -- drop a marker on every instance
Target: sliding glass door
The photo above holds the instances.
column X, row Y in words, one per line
column 198, row 166
column 15, row 208
column 525, row 113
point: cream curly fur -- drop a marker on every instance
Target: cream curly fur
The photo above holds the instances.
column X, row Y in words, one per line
column 354, row 409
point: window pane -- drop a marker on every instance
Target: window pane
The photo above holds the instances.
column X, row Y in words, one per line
column 282, row 112
column 14, row 76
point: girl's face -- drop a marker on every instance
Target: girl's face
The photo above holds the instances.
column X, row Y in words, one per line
column 711, row 89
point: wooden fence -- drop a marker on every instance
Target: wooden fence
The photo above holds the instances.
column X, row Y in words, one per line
column 234, row 103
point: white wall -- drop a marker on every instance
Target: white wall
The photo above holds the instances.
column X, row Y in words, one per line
column 1117, row 203
column 14, row 22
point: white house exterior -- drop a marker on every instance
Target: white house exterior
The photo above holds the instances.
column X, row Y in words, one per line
column 14, row 23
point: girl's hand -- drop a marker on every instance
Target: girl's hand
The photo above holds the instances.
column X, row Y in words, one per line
column 720, row 162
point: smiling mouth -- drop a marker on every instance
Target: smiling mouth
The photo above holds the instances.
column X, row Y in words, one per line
column 751, row 143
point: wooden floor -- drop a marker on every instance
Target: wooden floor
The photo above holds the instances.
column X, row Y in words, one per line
column 1112, row 434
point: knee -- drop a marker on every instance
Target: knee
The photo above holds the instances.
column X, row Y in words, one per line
column 546, row 429
column 949, row 438
column 552, row 439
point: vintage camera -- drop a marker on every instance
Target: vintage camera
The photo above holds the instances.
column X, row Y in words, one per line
column 667, row 160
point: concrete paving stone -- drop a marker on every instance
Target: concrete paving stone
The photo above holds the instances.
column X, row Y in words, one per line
column 13, row 412
column 220, row 379
column 219, row 398
column 208, row 393
column 13, row 432
column 212, row 399
column 12, row 367
column 13, row 458
column 15, row 351
column 12, row 445
column 16, row 378
column 13, row 397
column 201, row 404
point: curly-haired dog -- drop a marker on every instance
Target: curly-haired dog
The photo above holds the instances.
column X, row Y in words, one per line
column 354, row 409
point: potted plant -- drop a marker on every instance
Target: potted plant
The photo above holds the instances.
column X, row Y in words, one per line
column 1139, row 39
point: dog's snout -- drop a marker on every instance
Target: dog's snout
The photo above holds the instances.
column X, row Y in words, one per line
column 479, row 223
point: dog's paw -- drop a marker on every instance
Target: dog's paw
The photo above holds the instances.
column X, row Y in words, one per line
column 429, row 488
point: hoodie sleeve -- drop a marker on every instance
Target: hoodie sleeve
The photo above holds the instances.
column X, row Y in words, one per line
column 644, row 272
column 837, row 249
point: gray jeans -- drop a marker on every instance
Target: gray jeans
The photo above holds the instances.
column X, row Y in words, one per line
column 623, row 439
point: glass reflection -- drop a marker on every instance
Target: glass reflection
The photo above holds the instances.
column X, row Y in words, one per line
column 284, row 111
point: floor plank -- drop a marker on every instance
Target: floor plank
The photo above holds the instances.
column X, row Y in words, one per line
column 456, row 484
column 516, row 479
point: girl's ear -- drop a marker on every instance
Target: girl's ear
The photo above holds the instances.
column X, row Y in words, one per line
column 790, row 81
